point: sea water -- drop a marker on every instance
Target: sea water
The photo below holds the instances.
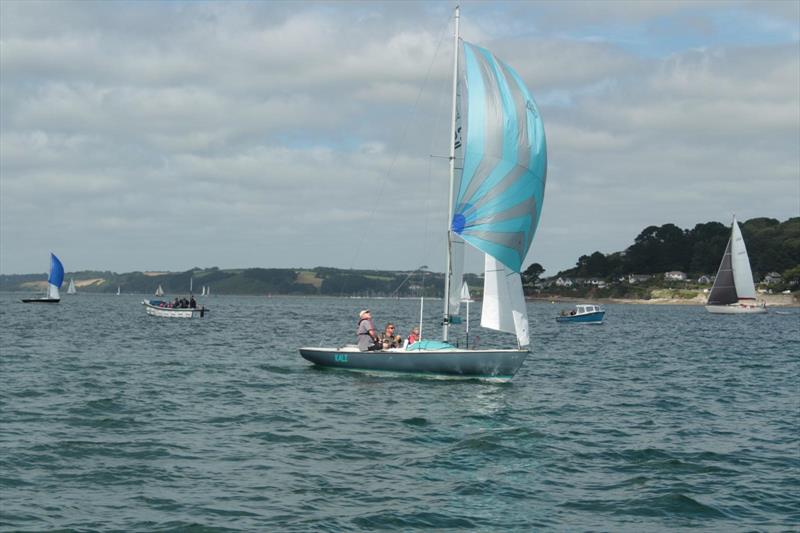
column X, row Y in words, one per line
column 665, row 417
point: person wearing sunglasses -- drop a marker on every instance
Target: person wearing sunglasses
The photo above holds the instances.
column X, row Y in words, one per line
column 390, row 339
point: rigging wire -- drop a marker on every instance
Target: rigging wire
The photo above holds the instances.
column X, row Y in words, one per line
column 403, row 137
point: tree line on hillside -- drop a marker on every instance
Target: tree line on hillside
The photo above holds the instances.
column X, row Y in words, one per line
column 254, row 281
column 772, row 246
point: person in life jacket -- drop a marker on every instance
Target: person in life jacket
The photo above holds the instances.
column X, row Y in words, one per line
column 365, row 332
column 413, row 336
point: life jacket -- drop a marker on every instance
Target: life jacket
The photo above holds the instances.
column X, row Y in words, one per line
column 371, row 326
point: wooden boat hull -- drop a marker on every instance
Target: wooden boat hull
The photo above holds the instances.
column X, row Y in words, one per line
column 493, row 365
column 173, row 312
column 41, row 300
column 736, row 309
column 586, row 318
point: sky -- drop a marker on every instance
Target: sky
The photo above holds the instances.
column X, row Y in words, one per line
column 169, row 135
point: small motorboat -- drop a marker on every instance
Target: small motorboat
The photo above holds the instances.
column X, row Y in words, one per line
column 164, row 309
column 583, row 314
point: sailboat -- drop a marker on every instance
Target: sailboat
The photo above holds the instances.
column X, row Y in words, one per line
column 54, row 281
column 159, row 291
column 71, row 288
column 734, row 292
column 494, row 204
column 118, row 290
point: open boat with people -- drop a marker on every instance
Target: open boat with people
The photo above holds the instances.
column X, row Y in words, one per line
column 734, row 292
column 54, row 281
column 582, row 314
column 495, row 200
column 160, row 308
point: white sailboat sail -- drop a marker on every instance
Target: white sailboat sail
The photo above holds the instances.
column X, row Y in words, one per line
column 71, row 288
column 159, row 291
column 740, row 264
column 498, row 197
column 118, row 291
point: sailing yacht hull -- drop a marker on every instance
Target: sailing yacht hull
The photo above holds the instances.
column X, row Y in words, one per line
column 493, row 365
column 737, row 309
column 41, row 300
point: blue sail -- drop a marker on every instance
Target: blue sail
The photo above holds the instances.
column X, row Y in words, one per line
column 499, row 197
column 56, row 271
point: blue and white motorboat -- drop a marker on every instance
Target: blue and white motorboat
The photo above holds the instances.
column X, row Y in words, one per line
column 583, row 314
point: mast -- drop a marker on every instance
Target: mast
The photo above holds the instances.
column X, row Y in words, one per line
column 446, row 321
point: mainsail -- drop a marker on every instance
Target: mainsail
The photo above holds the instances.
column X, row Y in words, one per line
column 498, row 197
column 71, row 288
column 723, row 292
column 740, row 263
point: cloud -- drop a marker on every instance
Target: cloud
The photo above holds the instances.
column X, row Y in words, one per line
column 163, row 136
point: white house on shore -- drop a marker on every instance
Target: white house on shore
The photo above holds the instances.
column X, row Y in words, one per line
column 675, row 275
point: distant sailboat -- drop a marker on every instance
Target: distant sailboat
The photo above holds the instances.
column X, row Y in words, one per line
column 734, row 291
column 54, row 282
column 118, row 291
column 159, row 291
column 203, row 293
column 71, row 288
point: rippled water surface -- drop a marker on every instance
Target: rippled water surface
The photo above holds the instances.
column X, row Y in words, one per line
column 663, row 418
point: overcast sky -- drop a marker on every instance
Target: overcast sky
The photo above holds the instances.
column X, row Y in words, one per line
column 167, row 135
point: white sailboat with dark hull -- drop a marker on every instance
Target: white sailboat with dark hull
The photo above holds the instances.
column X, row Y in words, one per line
column 494, row 205
column 734, row 292
column 54, row 281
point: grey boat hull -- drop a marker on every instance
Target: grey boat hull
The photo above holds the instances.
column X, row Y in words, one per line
column 495, row 365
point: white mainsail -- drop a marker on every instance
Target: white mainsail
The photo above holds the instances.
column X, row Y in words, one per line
column 740, row 264
column 71, row 288
column 159, row 291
